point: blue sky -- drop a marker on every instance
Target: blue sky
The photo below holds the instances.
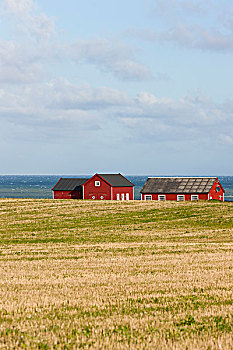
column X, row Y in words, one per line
column 138, row 87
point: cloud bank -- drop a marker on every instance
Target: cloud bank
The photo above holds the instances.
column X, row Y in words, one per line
column 41, row 103
column 204, row 25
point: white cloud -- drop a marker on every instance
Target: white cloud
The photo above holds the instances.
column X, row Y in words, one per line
column 226, row 139
column 60, row 104
column 17, row 65
column 64, row 95
column 146, row 98
column 24, row 14
column 59, row 100
column 203, row 25
column 23, row 59
column 115, row 57
column 198, row 37
column 28, row 58
column 129, row 70
column 154, row 119
column 194, row 37
column 176, row 7
column 57, row 106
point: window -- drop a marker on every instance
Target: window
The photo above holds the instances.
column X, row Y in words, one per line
column 162, row 197
column 148, row 197
column 180, row 197
column 194, row 197
column 93, row 197
column 217, row 189
column 97, row 183
column 118, row 196
column 127, row 196
column 122, row 196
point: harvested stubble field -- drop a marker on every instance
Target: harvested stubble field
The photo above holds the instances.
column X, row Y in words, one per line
column 115, row 275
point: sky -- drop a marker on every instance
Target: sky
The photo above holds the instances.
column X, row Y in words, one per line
column 141, row 87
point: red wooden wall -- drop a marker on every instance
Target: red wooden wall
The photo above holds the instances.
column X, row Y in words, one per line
column 105, row 190
column 213, row 194
column 122, row 190
column 173, row 196
column 67, row 195
column 92, row 192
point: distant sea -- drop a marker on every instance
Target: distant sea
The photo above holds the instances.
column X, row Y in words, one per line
column 39, row 186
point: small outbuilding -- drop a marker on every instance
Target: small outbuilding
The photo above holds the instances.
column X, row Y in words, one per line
column 182, row 189
column 108, row 186
column 67, row 188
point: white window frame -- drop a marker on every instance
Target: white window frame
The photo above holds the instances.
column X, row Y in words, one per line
column 161, row 197
column 148, row 197
column 127, row 196
column 97, row 183
column 194, row 197
column 122, row 196
column 180, row 198
column 118, row 196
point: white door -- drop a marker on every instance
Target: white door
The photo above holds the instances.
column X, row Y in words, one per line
column 118, row 196
column 122, row 197
column 127, row 196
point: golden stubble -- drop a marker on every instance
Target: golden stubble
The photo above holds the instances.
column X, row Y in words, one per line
column 173, row 291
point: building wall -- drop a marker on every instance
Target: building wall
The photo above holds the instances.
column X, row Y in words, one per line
column 67, row 194
column 173, row 197
column 105, row 191
column 92, row 192
column 122, row 190
column 214, row 194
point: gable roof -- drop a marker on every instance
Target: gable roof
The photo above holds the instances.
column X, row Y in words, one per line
column 178, row 185
column 69, row 184
column 116, row 180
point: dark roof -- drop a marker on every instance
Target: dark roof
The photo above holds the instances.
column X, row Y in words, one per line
column 117, row 180
column 178, row 185
column 68, row 184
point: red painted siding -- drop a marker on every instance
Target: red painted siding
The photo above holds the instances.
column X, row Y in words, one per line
column 122, row 190
column 105, row 190
column 173, row 197
column 201, row 196
column 213, row 194
column 93, row 192
column 67, row 194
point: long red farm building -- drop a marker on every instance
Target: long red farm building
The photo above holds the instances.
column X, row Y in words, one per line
column 99, row 186
column 182, row 189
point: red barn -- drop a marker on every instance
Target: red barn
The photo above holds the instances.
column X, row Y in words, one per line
column 108, row 186
column 68, row 188
column 182, row 189
column 99, row 186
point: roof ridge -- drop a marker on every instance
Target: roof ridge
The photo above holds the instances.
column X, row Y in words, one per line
column 74, row 178
column 110, row 174
column 182, row 177
column 116, row 180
